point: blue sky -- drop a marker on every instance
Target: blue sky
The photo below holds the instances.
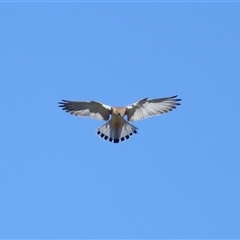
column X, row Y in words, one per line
column 178, row 178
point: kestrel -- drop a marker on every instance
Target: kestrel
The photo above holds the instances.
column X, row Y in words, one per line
column 117, row 128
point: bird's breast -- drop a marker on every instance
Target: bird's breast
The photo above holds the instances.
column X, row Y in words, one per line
column 117, row 121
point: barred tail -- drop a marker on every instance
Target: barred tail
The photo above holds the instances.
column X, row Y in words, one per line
column 116, row 133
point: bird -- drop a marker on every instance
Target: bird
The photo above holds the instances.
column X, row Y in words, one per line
column 118, row 129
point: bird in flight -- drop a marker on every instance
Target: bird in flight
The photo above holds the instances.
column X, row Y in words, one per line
column 118, row 128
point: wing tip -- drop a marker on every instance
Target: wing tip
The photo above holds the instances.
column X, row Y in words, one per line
column 176, row 99
column 63, row 103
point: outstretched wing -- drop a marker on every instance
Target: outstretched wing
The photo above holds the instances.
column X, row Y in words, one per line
column 152, row 107
column 91, row 109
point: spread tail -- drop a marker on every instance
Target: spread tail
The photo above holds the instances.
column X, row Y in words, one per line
column 116, row 134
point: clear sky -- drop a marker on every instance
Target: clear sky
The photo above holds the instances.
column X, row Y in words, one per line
column 178, row 178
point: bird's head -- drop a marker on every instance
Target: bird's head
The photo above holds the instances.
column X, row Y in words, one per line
column 117, row 112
